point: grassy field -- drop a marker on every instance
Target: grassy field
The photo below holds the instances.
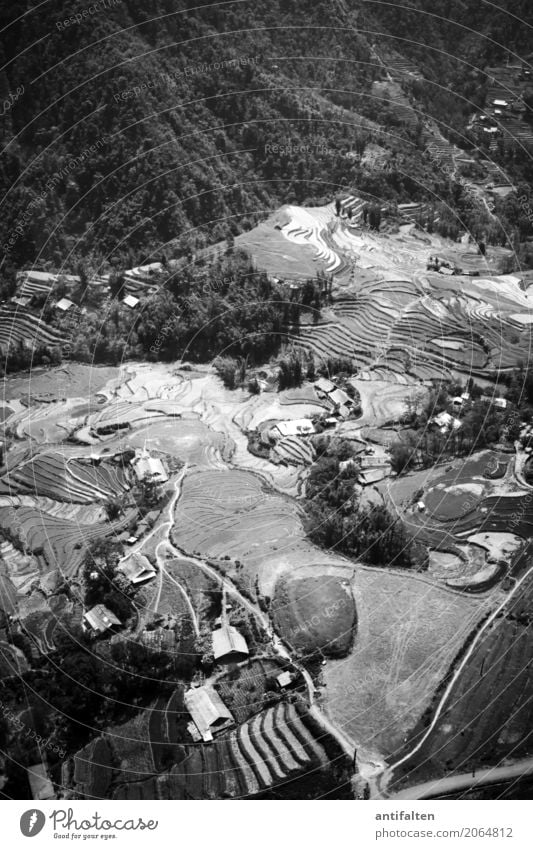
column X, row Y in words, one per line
column 276, row 254
column 489, row 714
column 408, row 633
column 71, row 380
column 315, row 614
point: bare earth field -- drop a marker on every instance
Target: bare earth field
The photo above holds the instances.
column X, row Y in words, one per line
column 69, row 380
column 408, row 633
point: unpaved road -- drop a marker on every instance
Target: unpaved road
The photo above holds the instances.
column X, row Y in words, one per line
column 466, row 781
column 386, row 777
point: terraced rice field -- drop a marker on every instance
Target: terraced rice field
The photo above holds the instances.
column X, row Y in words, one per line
column 406, row 320
column 122, row 414
column 231, row 513
column 71, row 380
column 61, row 544
column 57, row 477
column 20, row 568
column 35, row 283
column 294, row 451
column 18, row 326
column 46, row 422
column 473, row 496
column 190, row 440
column 275, row 747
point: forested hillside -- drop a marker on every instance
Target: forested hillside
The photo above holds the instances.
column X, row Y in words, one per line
column 177, row 124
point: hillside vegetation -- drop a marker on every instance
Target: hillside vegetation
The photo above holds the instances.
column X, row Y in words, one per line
column 137, row 129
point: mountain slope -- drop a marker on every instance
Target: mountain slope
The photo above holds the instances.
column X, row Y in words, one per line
column 137, row 128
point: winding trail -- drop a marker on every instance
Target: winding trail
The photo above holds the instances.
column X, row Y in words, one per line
column 383, row 780
column 467, row 781
column 161, row 560
column 346, row 743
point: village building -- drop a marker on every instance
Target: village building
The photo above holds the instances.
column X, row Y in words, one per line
column 137, row 569
column 341, row 401
column 372, row 476
column 340, row 398
column 146, row 466
column 324, row 386
column 64, row 304
column 294, row 427
column 21, row 300
column 500, row 403
column 100, row 619
column 284, row 680
column 445, row 422
column 130, row 301
column 374, row 461
column 209, row 714
column 40, row 785
column 42, row 277
column 229, row 646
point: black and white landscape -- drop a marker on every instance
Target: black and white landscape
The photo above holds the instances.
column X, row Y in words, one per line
column 266, row 469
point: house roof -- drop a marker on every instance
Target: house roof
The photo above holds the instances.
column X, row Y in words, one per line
column 37, row 276
column 207, row 709
column 344, row 410
column 339, row 396
column 130, row 301
column 374, row 461
column 137, row 568
column 372, row 476
column 21, row 300
column 324, row 385
column 443, row 418
column 284, row 679
column 40, row 784
column 445, row 421
column 100, row 618
column 149, row 466
column 64, row 304
column 227, row 640
column 295, row 427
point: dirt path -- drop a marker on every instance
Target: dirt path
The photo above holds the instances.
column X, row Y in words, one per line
column 346, row 743
column 466, row 781
column 385, row 778
column 159, row 554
